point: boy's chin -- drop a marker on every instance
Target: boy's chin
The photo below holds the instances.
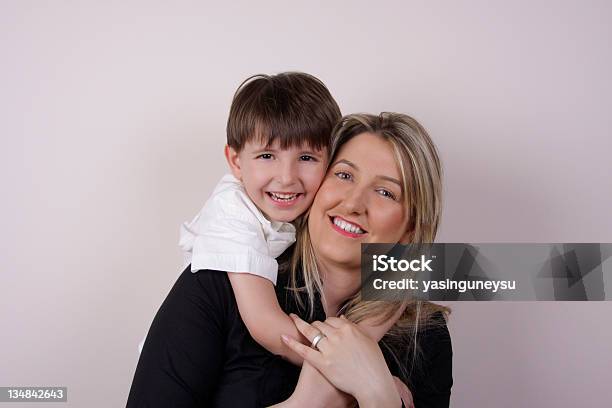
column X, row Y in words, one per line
column 283, row 216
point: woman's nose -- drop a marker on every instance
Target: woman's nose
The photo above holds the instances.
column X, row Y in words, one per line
column 354, row 201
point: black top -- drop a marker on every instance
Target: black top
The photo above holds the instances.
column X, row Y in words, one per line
column 198, row 353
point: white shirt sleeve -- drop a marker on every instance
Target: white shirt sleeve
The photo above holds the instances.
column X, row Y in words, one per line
column 230, row 234
column 234, row 245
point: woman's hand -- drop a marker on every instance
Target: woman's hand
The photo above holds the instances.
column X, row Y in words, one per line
column 349, row 359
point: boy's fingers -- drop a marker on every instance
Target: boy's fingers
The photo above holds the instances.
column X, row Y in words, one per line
column 404, row 392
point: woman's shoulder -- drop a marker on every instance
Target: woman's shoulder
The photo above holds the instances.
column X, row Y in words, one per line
column 203, row 280
column 434, row 380
column 435, row 325
column 424, row 360
column 206, row 292
column 434, row 337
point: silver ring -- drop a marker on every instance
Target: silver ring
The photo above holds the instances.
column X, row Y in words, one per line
column 317, row 339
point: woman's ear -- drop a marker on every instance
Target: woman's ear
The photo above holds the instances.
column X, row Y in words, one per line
column 233, row 160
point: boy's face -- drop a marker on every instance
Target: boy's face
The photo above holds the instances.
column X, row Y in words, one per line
column 281, row 182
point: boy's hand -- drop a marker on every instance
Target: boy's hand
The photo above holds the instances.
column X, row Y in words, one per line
column 375, row 330
column 404, row 392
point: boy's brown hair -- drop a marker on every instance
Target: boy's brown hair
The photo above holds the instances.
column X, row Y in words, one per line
column 292, row 107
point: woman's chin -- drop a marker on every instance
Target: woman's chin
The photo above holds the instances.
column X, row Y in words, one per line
column 345, row 256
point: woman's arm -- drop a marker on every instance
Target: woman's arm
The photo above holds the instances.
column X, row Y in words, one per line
column 183, row 354
column 349, row 359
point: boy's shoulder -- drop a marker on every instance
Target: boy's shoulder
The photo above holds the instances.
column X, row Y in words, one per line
column 228, row 188
column 229, row 199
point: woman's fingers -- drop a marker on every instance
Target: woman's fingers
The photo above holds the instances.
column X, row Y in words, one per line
column 306, row 329
column 347, row 357
column 324, row 328
column 309, row 354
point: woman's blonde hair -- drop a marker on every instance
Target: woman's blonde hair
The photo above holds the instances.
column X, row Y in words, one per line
column 421, row 172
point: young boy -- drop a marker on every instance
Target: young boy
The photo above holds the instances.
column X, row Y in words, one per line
column 278, row 134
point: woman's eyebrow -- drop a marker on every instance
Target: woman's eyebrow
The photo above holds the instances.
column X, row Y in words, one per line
column 353, row 165
column 348, row 163
column 391, row 179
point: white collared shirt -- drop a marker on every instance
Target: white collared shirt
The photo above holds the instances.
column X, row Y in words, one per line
column 231, row 234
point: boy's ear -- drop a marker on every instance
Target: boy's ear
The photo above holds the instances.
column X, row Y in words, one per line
column 233, row 160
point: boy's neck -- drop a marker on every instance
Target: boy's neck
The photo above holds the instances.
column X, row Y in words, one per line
column 339, row 283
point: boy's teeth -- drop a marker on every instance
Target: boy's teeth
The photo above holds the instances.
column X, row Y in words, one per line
column 284, row 197
column 347, row 226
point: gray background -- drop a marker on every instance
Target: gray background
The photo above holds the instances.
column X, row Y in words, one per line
column 112, row 129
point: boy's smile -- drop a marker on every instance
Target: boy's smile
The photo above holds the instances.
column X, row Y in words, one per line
column 281, row 182
column 284, row 199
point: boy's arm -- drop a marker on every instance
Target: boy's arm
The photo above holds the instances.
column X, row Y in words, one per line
column 376, row 329
column 263, row 316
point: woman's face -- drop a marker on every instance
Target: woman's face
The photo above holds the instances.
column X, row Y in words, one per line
column 359, row 201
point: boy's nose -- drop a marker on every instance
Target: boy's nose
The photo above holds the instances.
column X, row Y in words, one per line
column 288, row 174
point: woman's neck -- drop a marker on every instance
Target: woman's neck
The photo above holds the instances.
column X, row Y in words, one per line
column 339, row 283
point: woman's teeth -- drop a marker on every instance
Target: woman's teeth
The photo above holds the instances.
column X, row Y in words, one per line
column 283, row 197
column 347, row 226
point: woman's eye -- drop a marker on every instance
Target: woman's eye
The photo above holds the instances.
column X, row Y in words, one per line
column 343, row 175
column 386, row 193
column 265, row 156
column 306, row 157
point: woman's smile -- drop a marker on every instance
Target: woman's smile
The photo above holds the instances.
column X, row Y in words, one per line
column 347, row 228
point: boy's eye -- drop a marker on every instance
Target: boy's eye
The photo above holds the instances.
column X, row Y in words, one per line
column 343, row 175
column 386, row 193
column 306, row 157
column 265, row 156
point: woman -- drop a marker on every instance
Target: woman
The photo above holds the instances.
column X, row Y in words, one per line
column 383, row 185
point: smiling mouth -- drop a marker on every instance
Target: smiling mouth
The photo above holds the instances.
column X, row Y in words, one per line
column 285, row 198
column 343, row 226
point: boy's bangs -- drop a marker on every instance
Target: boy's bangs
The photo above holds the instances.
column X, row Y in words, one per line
column 290, row 132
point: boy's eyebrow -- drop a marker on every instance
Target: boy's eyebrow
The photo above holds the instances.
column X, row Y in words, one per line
column 314, row 151
column 303, row 151
column 380, row 176
column 264, row 149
